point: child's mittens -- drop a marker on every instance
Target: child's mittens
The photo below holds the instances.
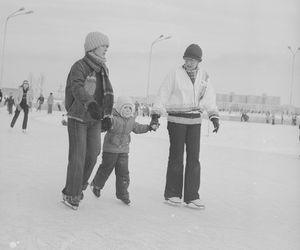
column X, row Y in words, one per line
column 154, row 119
column 154, row 123
column 106, row 123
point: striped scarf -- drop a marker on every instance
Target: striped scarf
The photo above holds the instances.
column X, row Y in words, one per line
column 191, row 73
column 98, row 65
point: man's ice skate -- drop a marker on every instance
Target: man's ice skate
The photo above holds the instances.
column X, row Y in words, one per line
column 70, row 202
column 196, row 204
column 96, row 190
column 174, row 201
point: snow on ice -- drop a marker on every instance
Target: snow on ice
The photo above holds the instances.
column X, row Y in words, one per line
column 249, row 184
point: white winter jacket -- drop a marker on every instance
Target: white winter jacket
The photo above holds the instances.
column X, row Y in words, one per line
column 184, row 101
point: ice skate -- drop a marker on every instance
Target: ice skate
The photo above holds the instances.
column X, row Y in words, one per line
column 125, row 201
column 174, row 201
column 96, row 190
column 197, row 204
column 70, row 202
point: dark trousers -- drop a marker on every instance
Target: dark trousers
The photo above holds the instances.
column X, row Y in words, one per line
column 119, row 162
column 182, row 135
column 10, row 108
column 17, row 113
column 84, row 148
column 40, row 106
column 50, row 108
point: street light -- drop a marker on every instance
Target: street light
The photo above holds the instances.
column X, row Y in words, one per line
column 13, row 14
column 159, row 39
column 293, row 64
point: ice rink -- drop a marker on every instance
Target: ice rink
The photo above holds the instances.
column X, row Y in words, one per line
column 250, row 184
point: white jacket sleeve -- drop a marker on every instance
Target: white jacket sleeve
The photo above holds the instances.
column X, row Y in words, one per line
column 208, row 103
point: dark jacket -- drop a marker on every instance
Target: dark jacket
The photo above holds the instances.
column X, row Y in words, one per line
column 84, row 86
column 117, row 139
column 9, row 101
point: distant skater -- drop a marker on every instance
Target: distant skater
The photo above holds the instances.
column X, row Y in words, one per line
column 9, row 102
column 23, row 102
column 50, row 102
column 40, row 102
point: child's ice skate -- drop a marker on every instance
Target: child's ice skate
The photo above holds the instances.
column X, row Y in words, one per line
column 126, row 201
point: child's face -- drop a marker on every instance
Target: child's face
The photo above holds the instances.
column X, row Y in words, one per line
column 126, row 111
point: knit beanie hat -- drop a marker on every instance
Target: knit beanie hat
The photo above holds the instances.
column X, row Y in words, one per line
column 122, row 101
column 94, row 40
column 193, row 51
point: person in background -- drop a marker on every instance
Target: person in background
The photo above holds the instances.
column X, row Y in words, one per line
column 50, row 102
column 40, row 102
column 1, row 95
column 88, row 101
column 116, row 148
column 23, row 102
column 10, row 102
column 185, row 93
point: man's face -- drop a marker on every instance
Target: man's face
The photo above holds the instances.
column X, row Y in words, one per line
column 101, row 51
column 190, row 63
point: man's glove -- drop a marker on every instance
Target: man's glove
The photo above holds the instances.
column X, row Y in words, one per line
column 153, row 127
column 154, row 123
column 94, row 110
column 216, row 124
column 106, row 123
column 154, row 119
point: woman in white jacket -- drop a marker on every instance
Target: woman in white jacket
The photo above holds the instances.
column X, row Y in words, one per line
column 184, row 95
column 23, row 101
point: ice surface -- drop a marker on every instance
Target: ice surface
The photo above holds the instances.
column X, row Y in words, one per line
column 250, row 184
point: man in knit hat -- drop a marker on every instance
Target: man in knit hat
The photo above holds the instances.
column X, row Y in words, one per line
column 89, row 102
column 184, row 95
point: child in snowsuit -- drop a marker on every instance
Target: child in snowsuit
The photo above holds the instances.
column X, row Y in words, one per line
column 116, row 149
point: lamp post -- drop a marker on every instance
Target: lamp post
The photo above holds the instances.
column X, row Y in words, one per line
column 13, row 14
column 294, row 52
column 159, row 39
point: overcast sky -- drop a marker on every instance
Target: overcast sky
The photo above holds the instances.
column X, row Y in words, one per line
column 244, row 42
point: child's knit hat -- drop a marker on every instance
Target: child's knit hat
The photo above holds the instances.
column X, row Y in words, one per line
column 193, row 51
column 94, row 40
column 122, row 101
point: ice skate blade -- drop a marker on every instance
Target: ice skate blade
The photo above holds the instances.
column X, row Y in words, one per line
column 193, row 206
column 174, row 204
column 69, row 205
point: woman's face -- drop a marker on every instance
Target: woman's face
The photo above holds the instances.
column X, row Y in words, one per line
column 25, row 85
column 101, row 51
column 191, row 63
